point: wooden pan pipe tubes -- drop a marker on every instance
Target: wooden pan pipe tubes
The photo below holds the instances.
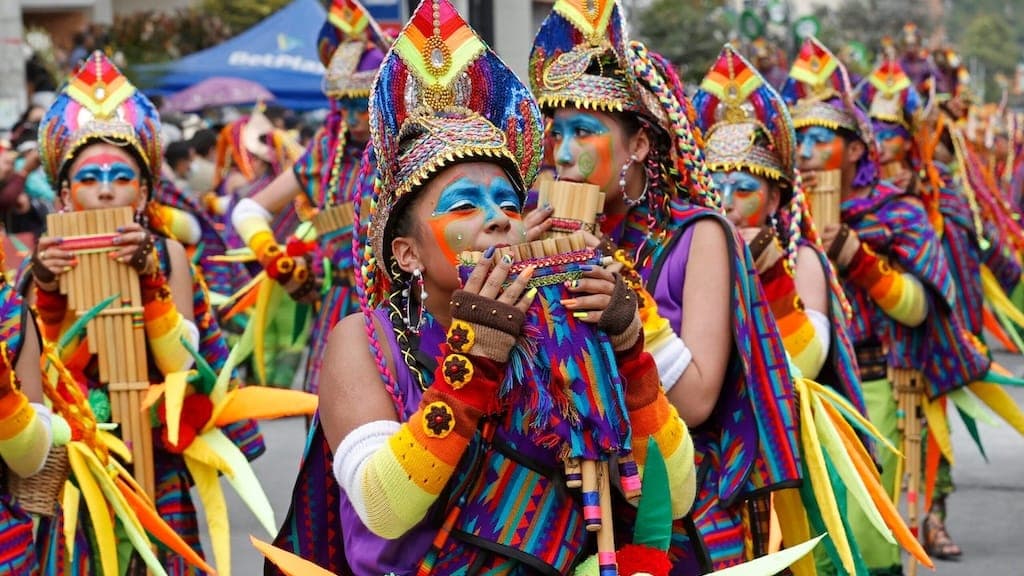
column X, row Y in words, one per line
column 908, row 388
column 825, row 198
column 577, row 398
column 117, row 335
column 575, row 206
column 890, row 170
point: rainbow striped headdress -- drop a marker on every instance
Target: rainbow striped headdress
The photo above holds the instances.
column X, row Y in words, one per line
column 442, row 97
column 889, row 95
column 818, row 91
column 98, row 103
column 580, row 58
column 351, row 46
column 745, row 122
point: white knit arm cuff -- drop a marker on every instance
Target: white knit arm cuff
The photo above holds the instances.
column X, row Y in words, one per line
column 247, row 212
column 353, row 455
column 672, row 359
column 822, row 329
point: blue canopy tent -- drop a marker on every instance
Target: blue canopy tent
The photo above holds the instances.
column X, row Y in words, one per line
column 279, row 52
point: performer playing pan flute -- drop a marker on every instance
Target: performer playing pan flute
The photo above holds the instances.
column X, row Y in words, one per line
column 101, row 150
column 891, row 266
column 467, row 401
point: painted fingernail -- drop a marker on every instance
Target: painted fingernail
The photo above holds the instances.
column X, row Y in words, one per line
column 58, row 240
column 112, row 255
column 531, row 292
column 580, row 314
column 572, row 284
column 116, row 240
column 569, row 302
column 507, row 259
column 528, row 272
column 119, row 229
column 547, row 206
column 489, row 252
column 67, row 269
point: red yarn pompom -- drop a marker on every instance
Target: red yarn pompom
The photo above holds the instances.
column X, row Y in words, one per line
column 633, row 559
column 186, row 435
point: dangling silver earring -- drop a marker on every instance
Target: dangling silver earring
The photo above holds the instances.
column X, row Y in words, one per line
column 622, row 184
column 773, row 221
column 413, row 322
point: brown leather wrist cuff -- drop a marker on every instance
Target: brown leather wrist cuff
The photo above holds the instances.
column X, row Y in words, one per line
column 40, row 272
column 838, row 242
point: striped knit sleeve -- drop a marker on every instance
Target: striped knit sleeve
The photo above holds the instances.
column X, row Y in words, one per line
column 799, row 334
column 899, row 294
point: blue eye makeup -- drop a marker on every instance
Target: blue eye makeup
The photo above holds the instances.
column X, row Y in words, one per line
column 466, row 195
column 577, row 125
column 106, row 174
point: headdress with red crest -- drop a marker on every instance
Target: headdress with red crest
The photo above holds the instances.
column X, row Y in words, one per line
column 99, row 104
column 583, row 58
column 745, row 122
column 442, row 97
column 819, row 94
column 351, row 46
column 889, row 95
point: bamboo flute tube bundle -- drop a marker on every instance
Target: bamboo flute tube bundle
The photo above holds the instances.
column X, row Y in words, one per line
column 117, row 334
column 890, row 170
column 575, row 206
column 908, row 387
column 825, row 198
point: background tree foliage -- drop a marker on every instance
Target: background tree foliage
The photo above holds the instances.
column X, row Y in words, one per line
column 241, row 14
column 690, row 33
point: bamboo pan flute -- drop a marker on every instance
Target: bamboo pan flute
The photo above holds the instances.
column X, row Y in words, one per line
column 825, row 198
column 576, row 206
column 908, row 388
column 891, row 170
column 338, row 217
column 117, row 334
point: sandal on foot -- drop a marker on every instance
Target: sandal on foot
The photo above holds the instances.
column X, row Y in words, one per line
column 937, row 541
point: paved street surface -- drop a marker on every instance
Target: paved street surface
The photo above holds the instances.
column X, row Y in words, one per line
column 985, row 513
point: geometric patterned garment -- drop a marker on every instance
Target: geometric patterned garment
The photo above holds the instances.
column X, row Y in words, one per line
column 895, row 224
column 749, row 443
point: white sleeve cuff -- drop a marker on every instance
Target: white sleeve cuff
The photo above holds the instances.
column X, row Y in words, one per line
column 247, row 209
column 822, row 329
column 672, row 359
column 353, row 455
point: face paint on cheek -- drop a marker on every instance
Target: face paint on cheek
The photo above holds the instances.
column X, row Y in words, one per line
column 595, row 161
column 830, row 154
column 452, row 233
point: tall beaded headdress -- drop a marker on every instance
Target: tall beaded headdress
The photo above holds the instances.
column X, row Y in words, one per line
column 98, row 104
column 889, row 95
column 582, row 57
column 351, row 46
column 442, row 97
column 819, row 92
column 745, row 122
